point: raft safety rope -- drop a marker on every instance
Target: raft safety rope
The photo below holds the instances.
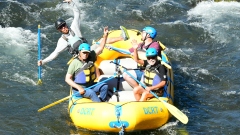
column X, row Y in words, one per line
column 118, row 110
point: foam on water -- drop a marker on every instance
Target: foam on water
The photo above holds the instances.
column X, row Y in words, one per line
column 179, row 53
column 17, row 37
column 228, row 93
column 23, row 79
column 217, row 19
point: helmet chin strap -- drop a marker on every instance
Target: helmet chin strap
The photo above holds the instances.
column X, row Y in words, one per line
column 145, row 37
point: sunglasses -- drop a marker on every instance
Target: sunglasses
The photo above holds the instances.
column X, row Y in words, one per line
column 151, row 57
column 64, row 25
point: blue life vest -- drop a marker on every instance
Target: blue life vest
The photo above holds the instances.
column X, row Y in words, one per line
column 85, row 75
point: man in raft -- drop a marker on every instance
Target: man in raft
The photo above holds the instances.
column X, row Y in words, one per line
column 154, row 75
column 81, row 72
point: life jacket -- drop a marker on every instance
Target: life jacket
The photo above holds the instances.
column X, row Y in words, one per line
column 85, row 75
column 161, row 46
column 152, row 75
column 73, row 42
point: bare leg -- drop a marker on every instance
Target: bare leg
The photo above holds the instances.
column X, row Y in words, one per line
column 145, row 95
column 123, row 37
column 111, row 40
column 137, row 91
column 130, row 80
column 114, row 39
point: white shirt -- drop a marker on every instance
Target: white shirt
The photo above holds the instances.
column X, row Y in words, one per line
column 62, row 44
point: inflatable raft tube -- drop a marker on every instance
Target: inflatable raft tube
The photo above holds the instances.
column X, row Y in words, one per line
column 110, row 54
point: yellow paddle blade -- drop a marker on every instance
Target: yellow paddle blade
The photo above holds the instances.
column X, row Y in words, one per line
column 175, row 112
column 54, row 103
column 39, row 82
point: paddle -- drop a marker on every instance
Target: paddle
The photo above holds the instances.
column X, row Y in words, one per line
column 172, row 109
column 72, row 59
column 119, row 50
column 126, row 52
column 61, row 100
column 39, row 55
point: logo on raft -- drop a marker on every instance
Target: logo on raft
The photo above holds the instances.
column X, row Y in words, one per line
column 86, row 111
column 151, row 110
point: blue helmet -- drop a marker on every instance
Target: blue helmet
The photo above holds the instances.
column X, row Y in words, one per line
column 151, row 31
column 151, row 52
column 84, row 47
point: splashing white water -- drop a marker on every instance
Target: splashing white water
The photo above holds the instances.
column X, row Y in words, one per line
column 221, row 19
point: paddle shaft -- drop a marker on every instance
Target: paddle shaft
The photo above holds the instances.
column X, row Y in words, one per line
column 39, row 51
column 125, row 52
column 120, row 50
column 61, row 100
column 39, row 54
column 143, row 85
column 69, row 62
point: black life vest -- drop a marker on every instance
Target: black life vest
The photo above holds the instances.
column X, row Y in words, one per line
column 152, row 75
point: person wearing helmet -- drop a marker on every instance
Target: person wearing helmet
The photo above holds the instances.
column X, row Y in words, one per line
column 148, row 35
column 154, row 75
column 71, row 35
column 81, row 72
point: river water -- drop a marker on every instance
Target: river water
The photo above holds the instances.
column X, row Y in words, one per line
column 203, row 44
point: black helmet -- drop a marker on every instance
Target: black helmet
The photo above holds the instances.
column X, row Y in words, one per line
column 59, row 23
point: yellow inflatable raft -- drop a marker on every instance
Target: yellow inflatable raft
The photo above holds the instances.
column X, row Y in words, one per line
column 116, row 116
column 121, row 113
